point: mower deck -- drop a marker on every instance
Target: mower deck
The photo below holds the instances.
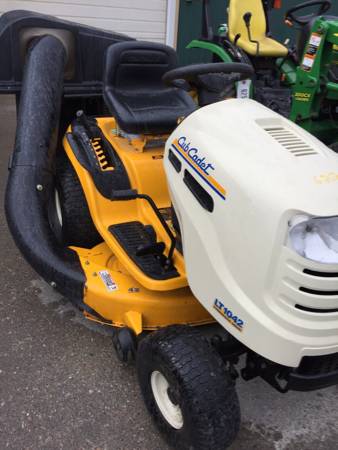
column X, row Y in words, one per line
column 111, row 215
column 121, row 300
column 122, row 282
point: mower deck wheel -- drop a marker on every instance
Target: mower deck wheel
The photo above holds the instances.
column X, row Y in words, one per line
column 187, row 389
column 124, row 342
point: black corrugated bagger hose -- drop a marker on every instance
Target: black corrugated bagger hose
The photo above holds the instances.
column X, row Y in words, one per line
column 31, row 186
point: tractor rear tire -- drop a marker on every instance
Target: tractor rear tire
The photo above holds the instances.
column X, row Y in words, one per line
column 77, row 225
column 187, row 390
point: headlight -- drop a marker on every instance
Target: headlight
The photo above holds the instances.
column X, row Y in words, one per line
column 315, row 238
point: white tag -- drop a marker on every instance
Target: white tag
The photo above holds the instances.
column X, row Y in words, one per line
column 315, row 40
column 243, row 89
column 108, row 281
column 308, row 62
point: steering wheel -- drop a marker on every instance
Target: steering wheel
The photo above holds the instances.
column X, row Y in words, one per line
column 191, row 73
column 324, row 6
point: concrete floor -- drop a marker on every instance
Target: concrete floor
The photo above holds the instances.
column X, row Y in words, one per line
column 61, row 386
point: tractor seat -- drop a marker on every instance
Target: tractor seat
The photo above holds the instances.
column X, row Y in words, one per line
column 134, row 91
column 238, row 32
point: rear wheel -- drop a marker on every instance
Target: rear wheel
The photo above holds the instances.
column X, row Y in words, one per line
column 187, row 389
column 72, row 209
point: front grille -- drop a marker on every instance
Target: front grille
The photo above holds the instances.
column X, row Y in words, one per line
column 320, row 292
column 316, row 310
column 315, row 273
column 314, row 291
column 317, row 292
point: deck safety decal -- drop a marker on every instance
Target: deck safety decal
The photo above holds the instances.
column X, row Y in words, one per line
column 108, row 281
column 311, row 52
column 199, row 164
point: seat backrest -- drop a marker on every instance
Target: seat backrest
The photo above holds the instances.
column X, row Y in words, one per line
column 258, row 25
column 138, row 65
column 134, row 91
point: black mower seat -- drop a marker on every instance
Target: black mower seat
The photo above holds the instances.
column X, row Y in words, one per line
column 134, row 91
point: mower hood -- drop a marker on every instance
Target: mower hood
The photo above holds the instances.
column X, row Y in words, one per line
column 245, row 172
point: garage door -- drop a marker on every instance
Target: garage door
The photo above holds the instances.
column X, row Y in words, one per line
column 140, row 19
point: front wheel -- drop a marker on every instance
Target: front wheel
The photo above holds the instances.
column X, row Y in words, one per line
column 187, row 390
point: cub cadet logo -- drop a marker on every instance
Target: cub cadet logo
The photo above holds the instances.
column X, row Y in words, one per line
column 198, row 163
column 302, row 96
column 194, row 155
column 331, row 177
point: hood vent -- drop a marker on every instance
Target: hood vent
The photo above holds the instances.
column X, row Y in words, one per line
column 290, row 141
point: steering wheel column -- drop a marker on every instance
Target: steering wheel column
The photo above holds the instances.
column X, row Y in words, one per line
column 213, row 82
column 291, row 18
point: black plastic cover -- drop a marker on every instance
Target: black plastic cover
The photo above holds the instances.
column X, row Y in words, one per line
column 80, row 140
column 30, row 188
column 315, row 372
column 85, row 47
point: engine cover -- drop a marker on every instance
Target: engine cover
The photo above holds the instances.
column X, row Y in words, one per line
column 238, row 173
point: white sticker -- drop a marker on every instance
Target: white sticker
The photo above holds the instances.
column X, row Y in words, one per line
column 308, row 62
column 315, row 40
column 243, row 89
column 108, row 281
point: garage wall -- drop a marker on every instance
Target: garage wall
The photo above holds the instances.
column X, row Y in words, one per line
column 142, row 19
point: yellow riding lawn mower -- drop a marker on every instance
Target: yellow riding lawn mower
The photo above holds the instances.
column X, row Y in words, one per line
column 197, row 234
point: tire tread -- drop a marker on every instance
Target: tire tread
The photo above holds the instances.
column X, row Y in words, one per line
column 192, row 360
column 78, row 228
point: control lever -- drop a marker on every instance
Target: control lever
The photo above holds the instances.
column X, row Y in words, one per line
column 247, row 19
column 86, row 123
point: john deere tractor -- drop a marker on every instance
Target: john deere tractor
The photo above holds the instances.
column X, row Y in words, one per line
column 300, row 83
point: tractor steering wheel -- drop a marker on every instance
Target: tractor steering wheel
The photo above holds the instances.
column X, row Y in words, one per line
column 324, row 6
column 191, row 73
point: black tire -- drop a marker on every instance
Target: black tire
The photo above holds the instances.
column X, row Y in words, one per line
column 199, row 384
column 125, row 344
column 78, row 228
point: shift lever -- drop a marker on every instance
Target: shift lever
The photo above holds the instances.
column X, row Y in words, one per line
column 247, row 19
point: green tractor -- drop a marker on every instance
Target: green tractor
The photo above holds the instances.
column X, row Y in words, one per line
column 301, row 83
